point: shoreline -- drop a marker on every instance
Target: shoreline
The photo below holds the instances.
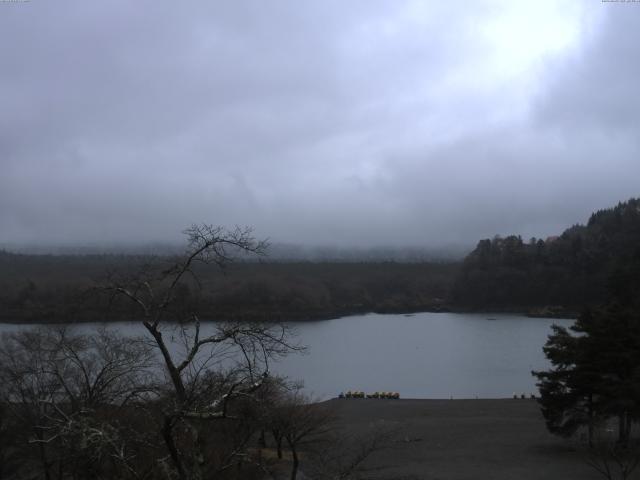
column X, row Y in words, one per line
column 320, row 317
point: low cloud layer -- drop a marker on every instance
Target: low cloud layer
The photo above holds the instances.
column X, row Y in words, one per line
column 358, row 123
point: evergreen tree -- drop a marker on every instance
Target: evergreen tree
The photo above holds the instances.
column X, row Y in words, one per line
column 567, row 390
column 570, row 270
column 595, row 374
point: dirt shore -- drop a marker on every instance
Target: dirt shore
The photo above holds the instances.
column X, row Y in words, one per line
column 464, row 439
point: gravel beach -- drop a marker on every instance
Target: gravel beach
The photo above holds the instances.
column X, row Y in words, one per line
column 464, row 439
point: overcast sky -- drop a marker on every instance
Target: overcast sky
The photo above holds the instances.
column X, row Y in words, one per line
column 321, row 122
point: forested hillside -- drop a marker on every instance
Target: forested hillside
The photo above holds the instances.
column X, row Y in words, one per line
column 583, row 266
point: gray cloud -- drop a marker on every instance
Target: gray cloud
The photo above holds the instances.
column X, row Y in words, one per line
column 319, row 122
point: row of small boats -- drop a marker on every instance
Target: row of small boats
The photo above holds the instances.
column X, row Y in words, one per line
column 359, row 394
column 396, row 395
column 522, row 395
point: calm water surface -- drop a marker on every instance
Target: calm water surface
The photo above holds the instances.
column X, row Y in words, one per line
column 425, row 355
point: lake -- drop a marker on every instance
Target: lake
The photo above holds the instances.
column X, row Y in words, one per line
column 422, row 355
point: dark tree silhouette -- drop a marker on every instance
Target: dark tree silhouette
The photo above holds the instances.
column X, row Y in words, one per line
column 200, row 390
column 595, row 374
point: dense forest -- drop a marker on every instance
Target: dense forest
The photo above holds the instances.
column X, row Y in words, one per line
column 556, row 276
column 583, row 266
column 60, row 288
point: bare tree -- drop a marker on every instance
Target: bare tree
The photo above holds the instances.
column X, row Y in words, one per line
column 211, row 375
column 57, row 385
column 346, row 454
column 612, row 459
column 9, row 464
column 299, row 421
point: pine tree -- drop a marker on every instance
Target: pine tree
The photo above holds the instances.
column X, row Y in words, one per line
column 567, row 390
column 595, row 373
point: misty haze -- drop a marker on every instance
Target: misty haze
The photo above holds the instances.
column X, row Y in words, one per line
column 319, row 240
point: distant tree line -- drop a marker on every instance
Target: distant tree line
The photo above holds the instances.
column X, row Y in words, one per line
column 49, row 288
column 553, row 276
